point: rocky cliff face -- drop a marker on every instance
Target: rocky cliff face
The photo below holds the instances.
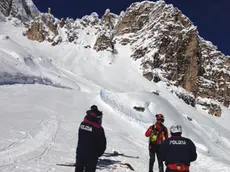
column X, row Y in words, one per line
column 169, row 47
column 2, row 17
column 43, row 27
column 24, row 10
column 215, row 74
column 164, row 40
column 107, row 32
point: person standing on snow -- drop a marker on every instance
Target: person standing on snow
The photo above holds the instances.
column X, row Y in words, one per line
column 91, row 141
column 177, row 151
column 157, row 133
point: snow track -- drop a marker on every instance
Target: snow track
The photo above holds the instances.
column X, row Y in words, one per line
column 35, row 144
column 212, row 136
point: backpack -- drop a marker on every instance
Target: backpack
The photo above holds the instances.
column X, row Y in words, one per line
column 157, row 136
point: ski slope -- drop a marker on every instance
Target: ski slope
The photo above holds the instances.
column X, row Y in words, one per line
column 40, row 120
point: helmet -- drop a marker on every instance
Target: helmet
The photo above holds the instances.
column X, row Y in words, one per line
column 160, row 117
column 176, row 128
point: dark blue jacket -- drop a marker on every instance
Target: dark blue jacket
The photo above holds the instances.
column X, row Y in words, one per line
column 91, row 137
column 178, row 150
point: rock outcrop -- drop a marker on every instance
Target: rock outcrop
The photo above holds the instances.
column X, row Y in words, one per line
column 43, row 27
column 24, row 10
column 169, row 47
column 104, row 42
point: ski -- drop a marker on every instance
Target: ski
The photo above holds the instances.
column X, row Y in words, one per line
column 74, row 164
column 102, row 163
column 127, row 165
column 67, row 164
column 115, row 153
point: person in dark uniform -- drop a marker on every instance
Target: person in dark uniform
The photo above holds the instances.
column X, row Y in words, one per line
column 177, row 151
column 157, row 133
column 91, row 141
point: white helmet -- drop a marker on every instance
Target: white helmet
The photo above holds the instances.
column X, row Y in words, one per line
column 176, row 128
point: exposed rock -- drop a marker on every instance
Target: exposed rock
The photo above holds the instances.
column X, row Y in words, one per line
column 50, row 22
column 156, row 92
column 35, row 32
column 140, row 109
column 188, row 63
column 72, row 33
column 139, row 53
column 5, row 7
column 226, row 102
column 215, row 82
column 156, row 78
column 24, row 10
column 57, row 41
column 43, row 28
column 169, row 42
column 62, row 23
column 90, row 20
column 2, row 17
column 188, row 99
column 69, row 29
column 109, row 20
column 134, row 18
column 213, row 108
column 125, row 41
column 148, row 76
column 103, row 42
column 106, row 35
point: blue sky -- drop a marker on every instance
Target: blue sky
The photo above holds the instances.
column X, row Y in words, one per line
column 211, row 16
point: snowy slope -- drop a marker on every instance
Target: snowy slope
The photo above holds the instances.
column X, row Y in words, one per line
column 39, row 123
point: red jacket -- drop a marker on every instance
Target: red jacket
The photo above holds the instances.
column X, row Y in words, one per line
column 159, row 130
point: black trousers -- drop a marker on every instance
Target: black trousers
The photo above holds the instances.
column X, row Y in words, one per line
column 86, row 164
column 154, row 150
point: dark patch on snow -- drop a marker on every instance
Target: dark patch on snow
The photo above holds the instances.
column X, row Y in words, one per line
column 4, row 37
column 139, row 108
column 18, row 78
column 28, row 61
column 106, row 163
column 189, row 118
column 155, row 92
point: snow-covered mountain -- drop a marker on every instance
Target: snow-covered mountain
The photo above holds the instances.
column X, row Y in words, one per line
column 160, row 37
column 49, row 80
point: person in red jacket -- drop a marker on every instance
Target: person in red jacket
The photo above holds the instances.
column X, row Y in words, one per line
column 157, row 133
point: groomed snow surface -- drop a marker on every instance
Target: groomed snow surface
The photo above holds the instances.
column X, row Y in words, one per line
column 45, row 92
